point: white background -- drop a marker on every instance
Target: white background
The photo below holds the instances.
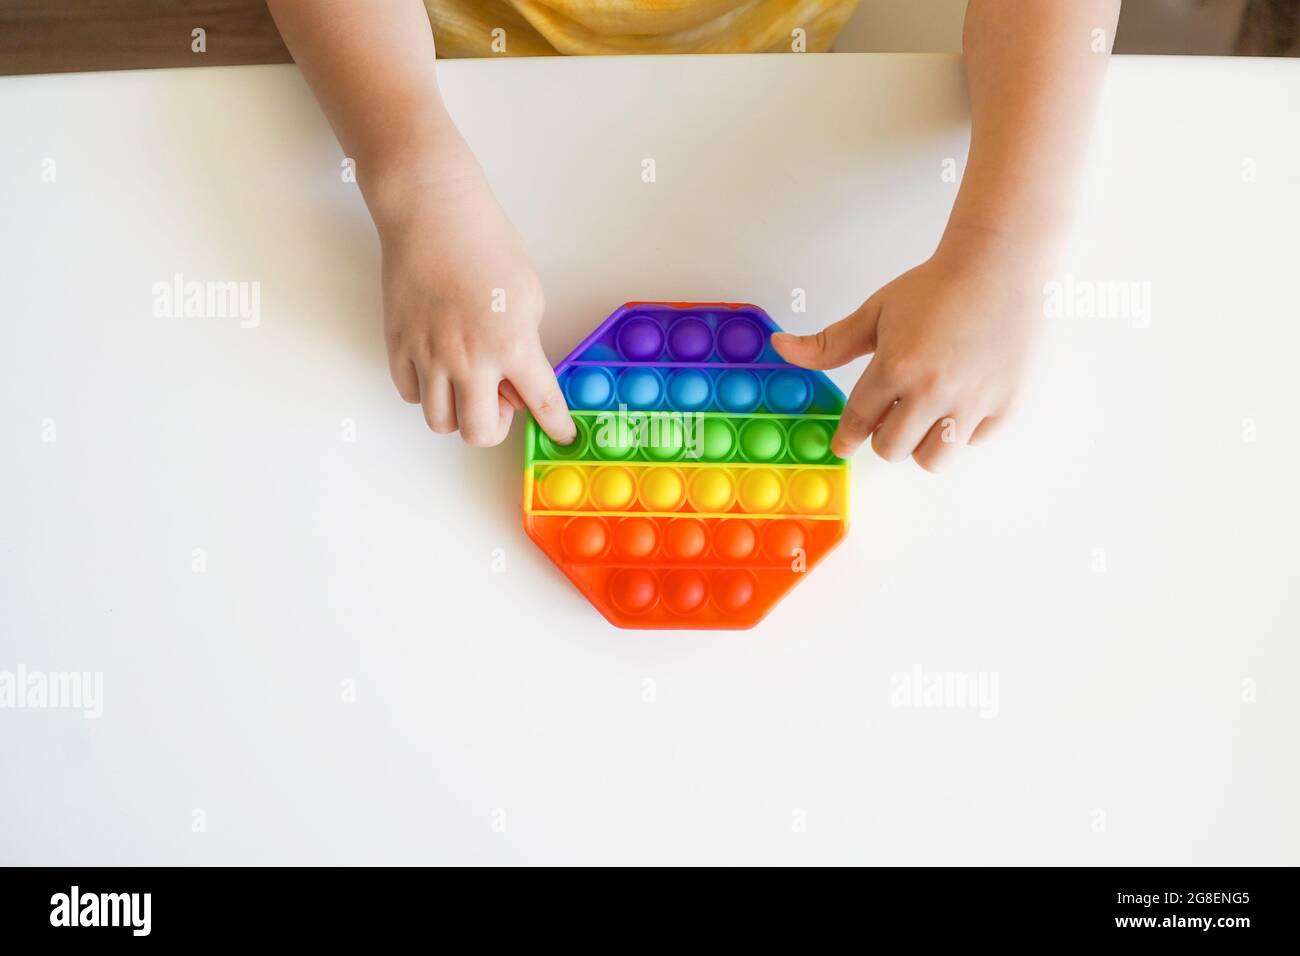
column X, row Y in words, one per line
column 1123, row 731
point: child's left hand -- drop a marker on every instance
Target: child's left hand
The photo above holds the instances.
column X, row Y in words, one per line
column 952, row 340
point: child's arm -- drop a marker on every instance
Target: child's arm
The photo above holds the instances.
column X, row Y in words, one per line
column 462, row 300
column 952, row 337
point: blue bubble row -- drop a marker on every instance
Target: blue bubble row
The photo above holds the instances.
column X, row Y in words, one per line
column 782, row 391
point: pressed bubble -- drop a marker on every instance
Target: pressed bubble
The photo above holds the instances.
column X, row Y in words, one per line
column 553, row 450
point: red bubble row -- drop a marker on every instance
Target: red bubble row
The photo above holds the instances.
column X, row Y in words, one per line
column 683, row 591
column 593, row 539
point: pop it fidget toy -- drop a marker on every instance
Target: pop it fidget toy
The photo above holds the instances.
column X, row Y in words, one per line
column 701, row 486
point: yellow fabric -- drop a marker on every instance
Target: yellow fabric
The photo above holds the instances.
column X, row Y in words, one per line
column 547, row 27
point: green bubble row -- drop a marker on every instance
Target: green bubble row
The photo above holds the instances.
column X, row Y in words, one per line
column 758, row 440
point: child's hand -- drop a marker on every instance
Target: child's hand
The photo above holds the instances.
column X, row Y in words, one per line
column 461, row 299
column 462, row 303
column 952, row 339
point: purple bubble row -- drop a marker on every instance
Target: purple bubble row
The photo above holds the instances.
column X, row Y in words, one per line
column 689, row 338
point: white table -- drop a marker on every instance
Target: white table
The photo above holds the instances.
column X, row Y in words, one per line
column 1121, row 562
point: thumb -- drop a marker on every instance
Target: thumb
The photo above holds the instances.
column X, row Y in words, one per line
column 838, row 343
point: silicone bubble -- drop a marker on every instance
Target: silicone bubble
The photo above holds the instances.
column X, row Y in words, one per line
column 761, row 439
column 686, row 538
column 689, row 390
column 666, row 439
column 738, row 391
column 689, row 340
column 718, row 440
column 781, row 539
column 711, row 490
column 590, row 387
column 810, row 491
column 633, row 590
column 611, row 437
column 734, row 540
column 685, row 591
column 732, row 590
column 788, row 392
column 640, row 388
column 562, row 488
column 662, row 489
column 612, row 488
column 740, row 340
column 810, row 441
column 640, row 339
column 585, row 538
column 760, row 491
column 635, row 538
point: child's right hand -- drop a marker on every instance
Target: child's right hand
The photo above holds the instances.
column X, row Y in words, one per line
column 462, row 303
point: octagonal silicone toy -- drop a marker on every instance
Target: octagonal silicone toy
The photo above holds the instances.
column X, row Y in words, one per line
column 701, row 487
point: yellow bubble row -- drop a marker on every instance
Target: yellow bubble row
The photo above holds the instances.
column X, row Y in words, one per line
column 615, row 488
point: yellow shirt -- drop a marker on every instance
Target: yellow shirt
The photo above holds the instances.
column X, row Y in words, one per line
column 548, row 27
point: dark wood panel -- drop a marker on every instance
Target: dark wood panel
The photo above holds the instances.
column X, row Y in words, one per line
column 62, row 36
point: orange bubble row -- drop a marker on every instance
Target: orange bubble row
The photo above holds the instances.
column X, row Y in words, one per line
column 589, row 538
column 682, row 590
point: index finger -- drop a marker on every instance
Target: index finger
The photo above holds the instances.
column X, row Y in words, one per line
column 536, row 384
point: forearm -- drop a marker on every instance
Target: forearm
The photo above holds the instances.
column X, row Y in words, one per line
column 371, row 65
column 1034, row 74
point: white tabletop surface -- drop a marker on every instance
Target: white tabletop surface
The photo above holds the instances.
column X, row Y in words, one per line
column 1121, row 566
